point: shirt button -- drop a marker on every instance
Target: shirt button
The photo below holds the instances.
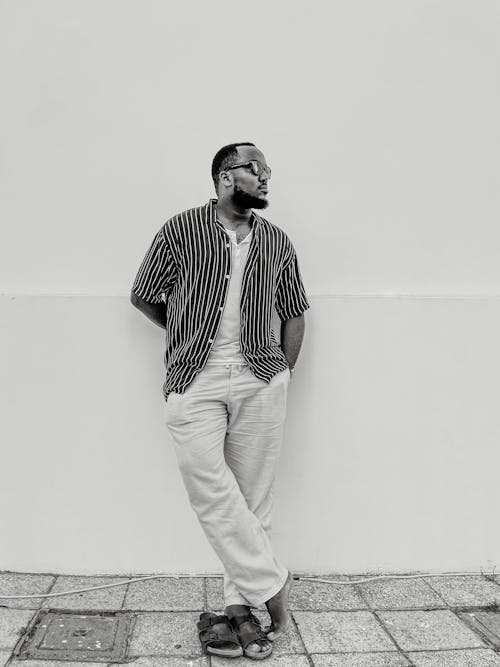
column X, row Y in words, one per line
column 227, row 276
column 227, row 245
column 221, row 308
column 211, row 340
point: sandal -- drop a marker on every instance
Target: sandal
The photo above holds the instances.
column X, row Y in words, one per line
column 217, row 636
column 249, row 630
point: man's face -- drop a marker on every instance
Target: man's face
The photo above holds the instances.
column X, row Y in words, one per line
column 249, row 189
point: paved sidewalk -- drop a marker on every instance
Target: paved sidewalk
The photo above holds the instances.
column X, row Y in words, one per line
column 394, row 623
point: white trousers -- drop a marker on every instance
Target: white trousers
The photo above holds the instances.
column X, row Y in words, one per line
column 227, row 430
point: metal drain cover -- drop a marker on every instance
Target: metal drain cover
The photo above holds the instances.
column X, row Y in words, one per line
column 485, row 623
column 77, row 637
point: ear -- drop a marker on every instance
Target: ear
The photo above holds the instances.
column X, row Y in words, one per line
column 226, row 179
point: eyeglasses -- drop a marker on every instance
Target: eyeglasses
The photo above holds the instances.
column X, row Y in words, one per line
column 256, row 167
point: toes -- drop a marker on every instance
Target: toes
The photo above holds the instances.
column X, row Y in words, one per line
column 257, row 648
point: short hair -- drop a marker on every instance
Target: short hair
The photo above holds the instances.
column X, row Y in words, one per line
column 224, row 158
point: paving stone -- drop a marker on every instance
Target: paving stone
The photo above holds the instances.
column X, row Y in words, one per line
column 272, row 661
column 428, row 630
column 158, row 661
column 4, row 656
column 334, row 631
column 466, row 591
column 24, row 584
column 184, row 594
column 104, row 599
column 485, row 623
column 12, row 623
column 215, row 594
column 316, row 596
column 54, row 663
column 476, row 657
column 360, row 660
column 400, row 594
column 165, row 633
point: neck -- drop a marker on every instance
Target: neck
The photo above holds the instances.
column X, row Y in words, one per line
column 232, row 214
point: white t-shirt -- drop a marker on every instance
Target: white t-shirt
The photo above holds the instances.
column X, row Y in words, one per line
column 226, row 348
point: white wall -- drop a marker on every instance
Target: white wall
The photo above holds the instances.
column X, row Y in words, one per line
column 380, row 123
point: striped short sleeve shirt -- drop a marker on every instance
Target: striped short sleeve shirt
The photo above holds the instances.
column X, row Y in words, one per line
column 188, row 267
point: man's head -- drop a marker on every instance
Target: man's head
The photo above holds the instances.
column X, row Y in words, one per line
column 240, row 172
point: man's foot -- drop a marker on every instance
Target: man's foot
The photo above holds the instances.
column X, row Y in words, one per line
column 256, row 647
column 217, row 636
column 277, row 607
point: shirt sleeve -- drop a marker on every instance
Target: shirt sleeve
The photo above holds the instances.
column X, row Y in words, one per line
column 157, row 272
column 291, row 300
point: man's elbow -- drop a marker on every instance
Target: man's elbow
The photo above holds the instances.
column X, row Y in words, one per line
column 135, row 300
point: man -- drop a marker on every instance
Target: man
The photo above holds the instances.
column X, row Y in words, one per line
column 223, row 271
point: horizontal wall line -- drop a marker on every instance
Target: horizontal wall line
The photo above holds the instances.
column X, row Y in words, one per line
column 403, row 295
column 312, row 295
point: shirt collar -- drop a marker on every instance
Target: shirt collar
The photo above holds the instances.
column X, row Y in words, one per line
column 212, row 216
column 232, row 236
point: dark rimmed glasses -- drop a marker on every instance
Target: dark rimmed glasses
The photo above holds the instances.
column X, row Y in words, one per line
column 256, row 167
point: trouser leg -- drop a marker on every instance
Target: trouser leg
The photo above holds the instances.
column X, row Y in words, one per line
column 198, row 422
column 252, row 449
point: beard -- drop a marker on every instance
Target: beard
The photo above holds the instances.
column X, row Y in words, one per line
column 242, row 199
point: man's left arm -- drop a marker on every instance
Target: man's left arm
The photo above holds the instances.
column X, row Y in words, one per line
column 292, row 334
column 291, row 302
